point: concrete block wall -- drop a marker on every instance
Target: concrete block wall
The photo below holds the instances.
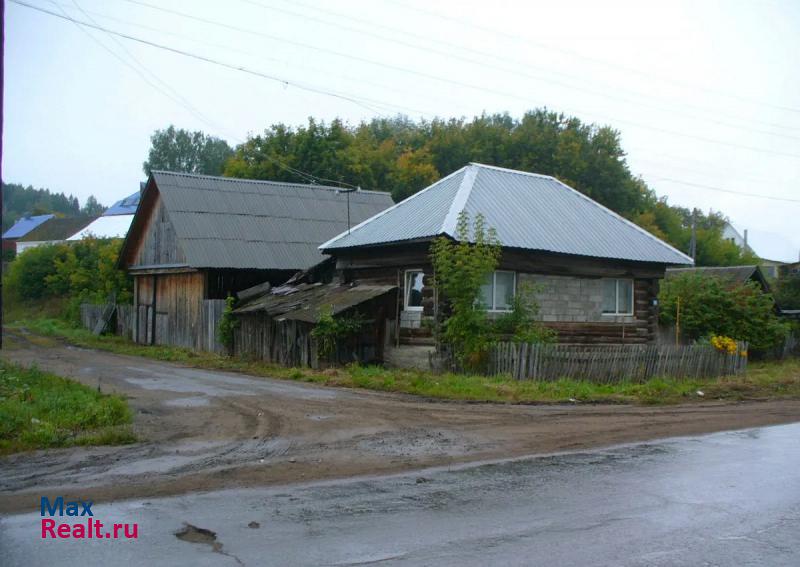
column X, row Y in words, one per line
column 569, row 299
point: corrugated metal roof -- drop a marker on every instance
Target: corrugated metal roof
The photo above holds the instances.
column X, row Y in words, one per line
column 126, row 206
column 305, row 302
column 56, row 229
column 224, row 222
column 530, row 211
column 24, row 225
column 115, row 226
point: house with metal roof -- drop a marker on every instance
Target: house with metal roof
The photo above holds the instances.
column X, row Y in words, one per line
column 597, row 273
column 54, row 230
column 22, row 227
column 114, row 222
column 198, row 237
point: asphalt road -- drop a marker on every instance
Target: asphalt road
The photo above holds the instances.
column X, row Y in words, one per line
column 723, row 499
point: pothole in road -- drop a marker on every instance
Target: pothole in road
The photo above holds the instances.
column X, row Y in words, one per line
column 193, row 534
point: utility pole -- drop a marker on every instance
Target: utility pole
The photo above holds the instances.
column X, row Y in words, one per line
column 2, row 90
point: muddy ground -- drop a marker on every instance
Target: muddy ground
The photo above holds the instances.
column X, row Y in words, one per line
column 204, row 430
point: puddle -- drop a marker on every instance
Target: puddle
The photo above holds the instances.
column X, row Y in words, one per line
column 192, row 402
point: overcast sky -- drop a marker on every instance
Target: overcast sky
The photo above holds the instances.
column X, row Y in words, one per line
column 706, row 94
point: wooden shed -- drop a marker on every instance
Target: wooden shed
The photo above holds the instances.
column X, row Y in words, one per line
column 276, row 325
column 196, row 238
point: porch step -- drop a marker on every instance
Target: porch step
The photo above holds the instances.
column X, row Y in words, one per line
column 408, row 356
column 417, row 341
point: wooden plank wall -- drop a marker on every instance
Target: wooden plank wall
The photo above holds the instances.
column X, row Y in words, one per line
column 202, row 336
column 159, row 244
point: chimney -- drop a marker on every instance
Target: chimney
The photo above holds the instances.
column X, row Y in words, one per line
column 745, row 240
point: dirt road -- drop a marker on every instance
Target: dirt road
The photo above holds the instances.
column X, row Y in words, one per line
column 205, row 430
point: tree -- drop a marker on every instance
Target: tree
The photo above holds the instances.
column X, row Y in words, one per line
column 461, row 268
column 189, row 152
column 710, row 306
column 92, row 208
column 19, row 200
column 402, row 156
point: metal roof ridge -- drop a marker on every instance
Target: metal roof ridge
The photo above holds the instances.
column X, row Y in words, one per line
column 260, row 181
column 517, row 171
column 459, row 200
column 385, row 211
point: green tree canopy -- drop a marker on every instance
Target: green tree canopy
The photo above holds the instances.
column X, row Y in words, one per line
column 402, row 156
column 189, row 152
column 19, row 200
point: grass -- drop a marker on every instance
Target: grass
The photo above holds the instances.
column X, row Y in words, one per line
column 763, row 380
column 39, row 410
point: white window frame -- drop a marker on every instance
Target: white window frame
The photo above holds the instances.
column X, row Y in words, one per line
column 617, row 312
column 407, row 290
column 492, row 308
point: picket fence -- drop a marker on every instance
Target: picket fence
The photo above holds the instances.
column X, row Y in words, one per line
column 613, row 363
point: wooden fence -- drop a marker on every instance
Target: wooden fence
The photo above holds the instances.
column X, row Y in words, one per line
column 613, row 363
column 200, row 334
column 122, row 321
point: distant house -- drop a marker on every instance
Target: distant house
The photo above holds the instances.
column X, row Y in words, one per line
column 22, row 227
column 52, row 231
column 197, row 237
column 114, row 222
column 735, row 275
column 598, row 273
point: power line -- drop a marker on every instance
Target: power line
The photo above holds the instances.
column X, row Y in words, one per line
column 360, row 101
column 477, row 87
column 729, row 191
column 513, row 71
column 319, row 91
column 261, row 56
column 309, row 178
column 603, row 62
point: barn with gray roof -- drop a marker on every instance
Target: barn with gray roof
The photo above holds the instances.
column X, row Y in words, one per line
column 197, row 237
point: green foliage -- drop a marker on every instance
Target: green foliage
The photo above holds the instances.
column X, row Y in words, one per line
column 787, row 291
column 461, row 268
column 189, row 152
column 227, row 324
column 402, row 156
column 711, row 306
column 40, row 410
column 331, row 330
column 520, row 323
column 19, row 200
column 82, row 271
column 92, row 207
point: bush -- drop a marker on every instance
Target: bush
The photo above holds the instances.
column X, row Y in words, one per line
column 520, row 324
column 83, row 271
column 330, row 330
column 227, row 325
column 710, row 306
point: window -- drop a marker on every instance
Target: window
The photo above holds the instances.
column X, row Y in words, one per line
column 413, row 288
column 617, row 297
column 497, row 294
